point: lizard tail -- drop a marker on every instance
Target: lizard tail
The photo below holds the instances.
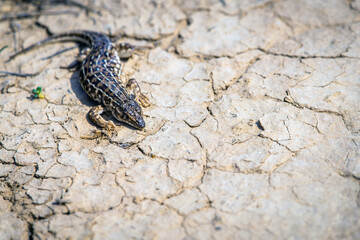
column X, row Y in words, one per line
column 76, row 36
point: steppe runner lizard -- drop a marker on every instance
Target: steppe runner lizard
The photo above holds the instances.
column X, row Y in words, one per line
column 100, row 78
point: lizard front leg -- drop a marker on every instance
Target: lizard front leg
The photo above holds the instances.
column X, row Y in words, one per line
column 95, row 116
column 134, row 89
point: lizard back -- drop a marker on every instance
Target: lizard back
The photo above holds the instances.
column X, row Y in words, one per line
column 100, row 72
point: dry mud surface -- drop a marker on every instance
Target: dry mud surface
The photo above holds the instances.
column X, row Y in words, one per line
column 253, row 132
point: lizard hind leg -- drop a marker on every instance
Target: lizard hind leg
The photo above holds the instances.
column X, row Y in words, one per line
column 134, row 89
column 83, row 54
column 76, row 65
column 125, row 50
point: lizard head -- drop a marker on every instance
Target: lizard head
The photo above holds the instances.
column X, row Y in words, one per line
column 131, row 113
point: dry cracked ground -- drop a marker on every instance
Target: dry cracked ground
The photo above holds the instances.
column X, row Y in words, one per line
column 253, row 132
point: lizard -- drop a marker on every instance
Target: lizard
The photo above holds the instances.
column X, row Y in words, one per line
column 100, row 78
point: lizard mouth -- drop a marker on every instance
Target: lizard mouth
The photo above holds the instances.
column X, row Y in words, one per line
column 139, row 124
column 136, row 122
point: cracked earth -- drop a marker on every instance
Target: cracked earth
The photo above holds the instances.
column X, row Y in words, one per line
column 253, row 132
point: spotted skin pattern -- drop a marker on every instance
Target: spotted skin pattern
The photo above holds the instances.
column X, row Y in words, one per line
column 100, row 78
